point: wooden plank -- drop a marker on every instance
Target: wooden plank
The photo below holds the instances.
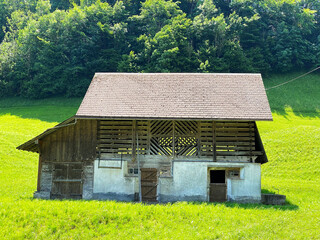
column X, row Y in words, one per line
column 94, row 138
column 77, row 141
column 61, row 145
column 214, row 141
column 116, row 127
column 107, row 141
column 234, row 134
column 230, row 148
column 116, row 123
column 115, row 145
column 234, row 139
column 234, row 124
column 39, row 168
column 122, row 137
column 244, row 129
column 68, row 143
column 234, row 143
column 242, row 153
column 135, row 138
column 110, row 132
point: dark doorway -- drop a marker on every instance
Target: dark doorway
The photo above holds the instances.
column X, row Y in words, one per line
column 217, row 176
column 149, row 184
column 218, row 186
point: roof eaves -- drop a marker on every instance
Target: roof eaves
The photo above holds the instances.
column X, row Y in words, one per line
column 171, row 118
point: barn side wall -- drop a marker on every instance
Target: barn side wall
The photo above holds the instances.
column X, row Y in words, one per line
column 181, row 178
column 71, row 144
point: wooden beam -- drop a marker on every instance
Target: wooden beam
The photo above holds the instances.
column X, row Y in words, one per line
column 134, row 139
column 214, row 146
column 39, row 167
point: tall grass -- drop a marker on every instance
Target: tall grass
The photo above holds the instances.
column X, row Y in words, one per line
column 292, row 143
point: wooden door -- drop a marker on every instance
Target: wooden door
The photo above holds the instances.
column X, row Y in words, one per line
column 218, row 186
column 149, row 184
column 67, row 181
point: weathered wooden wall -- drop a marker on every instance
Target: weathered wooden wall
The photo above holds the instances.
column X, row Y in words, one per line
column 66, row 161
column 75, row 143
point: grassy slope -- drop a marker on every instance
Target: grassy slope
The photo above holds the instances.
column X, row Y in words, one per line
column 292, row 142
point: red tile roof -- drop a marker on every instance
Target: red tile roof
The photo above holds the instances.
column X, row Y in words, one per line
column 176, row 96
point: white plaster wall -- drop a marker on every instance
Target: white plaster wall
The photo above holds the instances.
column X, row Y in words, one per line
column 249, row 184
column 191, row 181
column 111, row 180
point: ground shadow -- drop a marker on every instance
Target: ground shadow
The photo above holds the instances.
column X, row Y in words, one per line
column 300, row 96
column 55, row 109
column 287, row 207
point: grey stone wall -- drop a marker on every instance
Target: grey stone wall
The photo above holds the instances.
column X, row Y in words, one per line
column 45, row 182
column 88, row 172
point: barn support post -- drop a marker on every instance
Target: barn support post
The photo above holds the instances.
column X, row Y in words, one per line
column 139, row 170
column 134, row 147
column 39, row 169
column 214, row 148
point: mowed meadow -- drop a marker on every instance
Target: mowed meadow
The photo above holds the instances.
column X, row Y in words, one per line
column 292, row 143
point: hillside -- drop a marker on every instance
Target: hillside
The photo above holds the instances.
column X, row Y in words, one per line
column 291, row 141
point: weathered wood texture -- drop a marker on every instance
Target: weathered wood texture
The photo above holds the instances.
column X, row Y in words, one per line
column 218, row 192
column 69, row 153
column 149, row 183
column 73, row 143
column 198, row 139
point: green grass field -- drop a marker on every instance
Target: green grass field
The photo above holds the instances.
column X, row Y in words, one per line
column 292, row 142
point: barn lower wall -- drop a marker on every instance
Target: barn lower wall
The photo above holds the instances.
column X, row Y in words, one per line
column 111, row 183
column 189, row 182
column 88, row 174
column 45, row 182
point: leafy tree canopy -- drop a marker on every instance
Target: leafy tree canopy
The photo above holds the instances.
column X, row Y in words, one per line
column 54, row 47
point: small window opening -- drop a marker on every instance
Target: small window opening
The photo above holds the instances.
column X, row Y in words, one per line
column 217, row 176
column 234, row 174
column 133, row 171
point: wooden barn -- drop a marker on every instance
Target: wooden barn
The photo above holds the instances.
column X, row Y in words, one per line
column 158, row 137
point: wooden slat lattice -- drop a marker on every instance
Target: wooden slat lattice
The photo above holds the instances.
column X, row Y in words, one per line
column 177, row 138
column 235, row 138
column 206, row 138
column 115, row 137
column 161, row 133
column 186, row 138
column 142, row 132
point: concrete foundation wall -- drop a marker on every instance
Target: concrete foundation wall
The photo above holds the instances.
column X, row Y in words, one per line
column 189, row 182
column 111, row 183
column 248, row 187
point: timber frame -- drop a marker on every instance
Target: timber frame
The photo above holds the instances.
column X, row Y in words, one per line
column 180, row 139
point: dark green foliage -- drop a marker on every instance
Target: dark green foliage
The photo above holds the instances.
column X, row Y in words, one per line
column 54, row 47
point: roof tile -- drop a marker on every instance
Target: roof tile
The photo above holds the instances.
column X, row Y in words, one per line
column 176, row 96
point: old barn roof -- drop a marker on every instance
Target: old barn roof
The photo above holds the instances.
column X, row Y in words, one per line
column 176, row 96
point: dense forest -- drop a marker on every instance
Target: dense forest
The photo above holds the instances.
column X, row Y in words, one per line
column 54, row 47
